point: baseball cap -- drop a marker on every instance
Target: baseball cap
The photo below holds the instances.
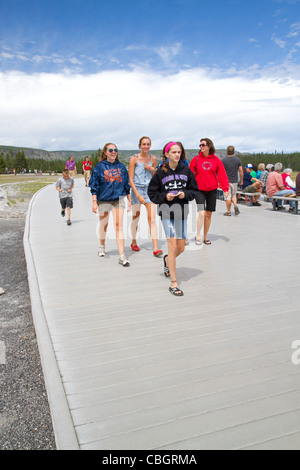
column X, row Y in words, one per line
column 249, row 165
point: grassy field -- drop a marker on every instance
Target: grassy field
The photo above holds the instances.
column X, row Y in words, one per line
column 29, row 184
column 17, row 191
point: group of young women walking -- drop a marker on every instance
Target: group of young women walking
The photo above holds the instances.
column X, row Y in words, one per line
column 169, row 187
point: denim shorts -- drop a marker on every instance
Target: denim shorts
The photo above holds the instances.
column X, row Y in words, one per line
column 175, row 228
column 143, row 191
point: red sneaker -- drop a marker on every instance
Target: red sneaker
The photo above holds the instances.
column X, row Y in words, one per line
column 134, row 247
column 157, row 253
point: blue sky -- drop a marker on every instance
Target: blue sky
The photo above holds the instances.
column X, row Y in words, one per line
column 214, row 58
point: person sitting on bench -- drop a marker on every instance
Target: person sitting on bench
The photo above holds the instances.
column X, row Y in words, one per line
column 275, row 187
column 251, row 184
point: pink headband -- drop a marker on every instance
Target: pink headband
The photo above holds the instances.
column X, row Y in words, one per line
column 169, row 146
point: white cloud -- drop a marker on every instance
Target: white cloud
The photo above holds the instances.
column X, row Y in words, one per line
column 167, row 53
column 66, row 111
column 280, row 42
column 6, row 55
column 294, row 30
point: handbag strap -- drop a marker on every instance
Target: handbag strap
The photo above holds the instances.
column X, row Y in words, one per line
column 195, row 172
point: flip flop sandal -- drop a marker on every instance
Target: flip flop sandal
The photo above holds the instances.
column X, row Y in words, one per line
column 176, row 291
column 198, row 242
column 166, row 269
column 207, row 242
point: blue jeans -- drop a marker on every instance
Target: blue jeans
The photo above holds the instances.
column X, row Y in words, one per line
column 175, row 228
column 285, row 192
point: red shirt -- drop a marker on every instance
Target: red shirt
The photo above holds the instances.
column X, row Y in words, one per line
column 284, row 177
column 87, row 165
column 210, row 172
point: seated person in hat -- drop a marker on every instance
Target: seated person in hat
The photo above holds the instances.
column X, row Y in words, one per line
column 252, row 184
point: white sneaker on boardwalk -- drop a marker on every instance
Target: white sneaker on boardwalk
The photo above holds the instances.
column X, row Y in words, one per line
column 101, row 251
column 123, row 261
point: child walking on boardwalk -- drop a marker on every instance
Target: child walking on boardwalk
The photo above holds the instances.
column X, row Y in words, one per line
column 64, row 186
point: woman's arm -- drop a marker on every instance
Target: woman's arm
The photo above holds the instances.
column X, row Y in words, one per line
column 155, row 190
column 132, row 165
column 152, row 168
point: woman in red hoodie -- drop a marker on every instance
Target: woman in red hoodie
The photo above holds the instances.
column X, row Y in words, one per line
column 210, row 174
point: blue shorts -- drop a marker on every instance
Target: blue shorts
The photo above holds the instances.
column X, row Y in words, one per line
column 143, row 191
column 175, row 228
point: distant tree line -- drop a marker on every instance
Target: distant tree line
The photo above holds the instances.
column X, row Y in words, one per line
column 18, row 162
column 288, row 160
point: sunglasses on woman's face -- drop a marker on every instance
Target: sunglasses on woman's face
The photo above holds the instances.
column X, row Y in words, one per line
column 112, row 150
column 203, row 145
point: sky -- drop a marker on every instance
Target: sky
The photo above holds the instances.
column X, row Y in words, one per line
column 75, row 74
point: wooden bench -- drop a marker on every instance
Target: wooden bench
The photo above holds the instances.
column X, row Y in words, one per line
column 274, row 199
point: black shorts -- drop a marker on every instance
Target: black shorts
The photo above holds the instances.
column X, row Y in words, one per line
column 66, row 202
column 207, row 200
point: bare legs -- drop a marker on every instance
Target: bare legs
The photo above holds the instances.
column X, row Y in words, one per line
column 233, row 201
column 204, row 219
column 175, row 248
column 118, row 224
column 151, row 214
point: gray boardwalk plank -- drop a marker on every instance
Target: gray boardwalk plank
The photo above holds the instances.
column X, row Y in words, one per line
column 144, row 370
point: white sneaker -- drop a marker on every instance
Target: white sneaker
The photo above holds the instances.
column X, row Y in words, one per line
column 101, row 251
column 123, row 261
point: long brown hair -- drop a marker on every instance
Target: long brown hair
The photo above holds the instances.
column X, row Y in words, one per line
column 211, row 146
column 165, row 165
column 103, row 155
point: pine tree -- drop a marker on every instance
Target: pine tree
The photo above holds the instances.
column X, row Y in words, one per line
column 2, row 163
column 20, row 162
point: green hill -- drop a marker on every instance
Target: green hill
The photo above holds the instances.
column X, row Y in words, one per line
column 80, row 155
column 45, row 154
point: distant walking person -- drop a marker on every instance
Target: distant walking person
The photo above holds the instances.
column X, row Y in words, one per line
column 233, row 167
column 71, row 166
column 141, row 168
column 64, row 186
column 109, row 185
column 210, row 173
column 171, row 188
column 86, row 166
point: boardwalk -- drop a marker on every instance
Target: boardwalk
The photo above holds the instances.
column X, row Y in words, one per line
column 128, row 366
